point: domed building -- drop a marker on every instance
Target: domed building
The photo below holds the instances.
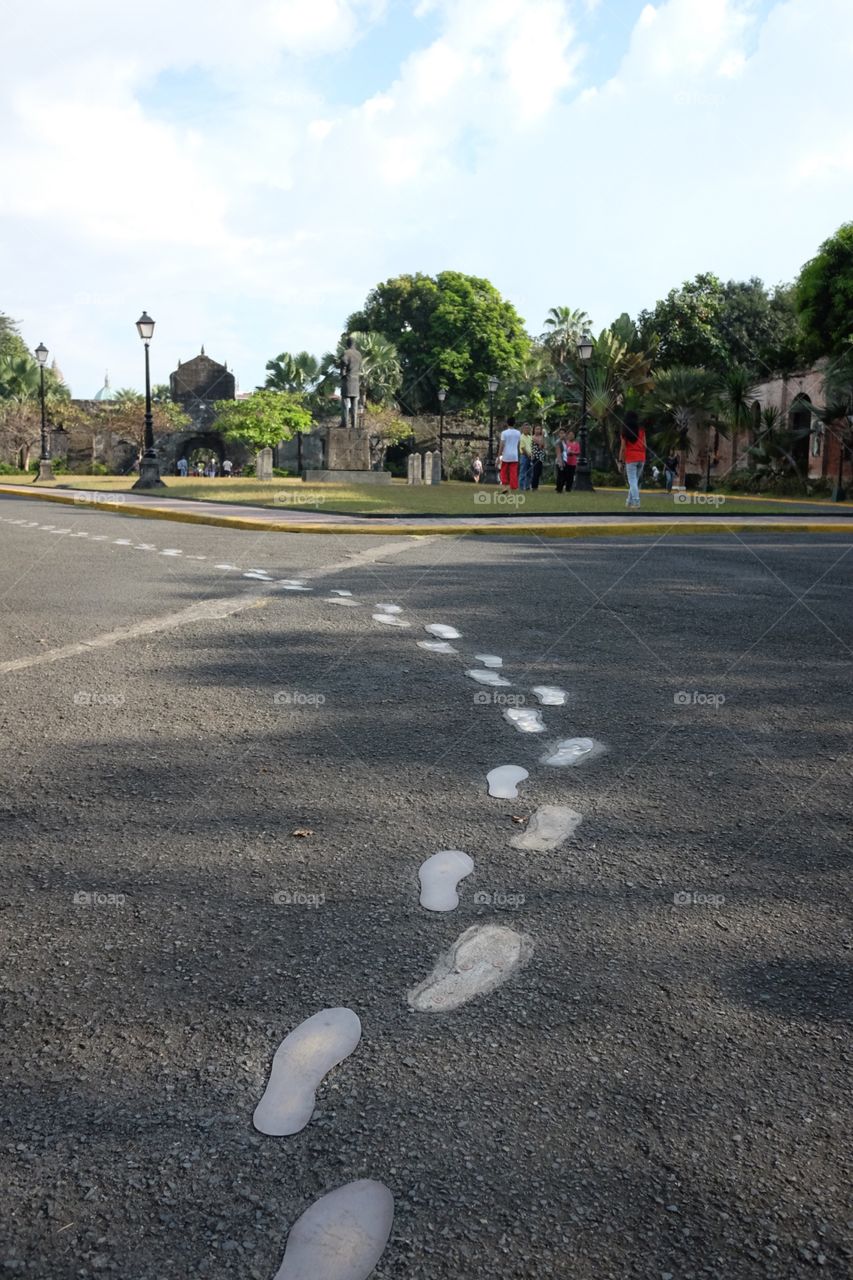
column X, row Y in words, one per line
column 106, row 393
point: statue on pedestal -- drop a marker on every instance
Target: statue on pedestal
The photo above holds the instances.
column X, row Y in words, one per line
column 350, row 384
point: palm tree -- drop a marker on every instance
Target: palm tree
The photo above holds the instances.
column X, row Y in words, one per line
column 563, row 330
column 381, row 371
column 686, row 397
column 300, row 373
column 737, row 392
column 161, row 393
column 127, row 395
column 836, row 414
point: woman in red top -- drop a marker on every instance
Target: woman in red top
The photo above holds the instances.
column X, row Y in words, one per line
column 633, row 454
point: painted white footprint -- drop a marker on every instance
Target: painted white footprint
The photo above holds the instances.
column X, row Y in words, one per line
column 390, row 620
column 301, row 1061
column 489, row 660
column 550, row 826
column 491, row 678
column 503, row 781
column 549, row 695
column 389, row 608
column 480, row 960
column 347, row 600
column 443, row 632
column 440, row 876
column 341, row 1236
column 525, row 719
column 572, row 751
column 436, row 646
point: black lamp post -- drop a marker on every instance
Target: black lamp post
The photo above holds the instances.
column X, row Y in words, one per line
column 583, row 475
column 149, row 467
column 490, row 472
column 442, row 396
column 45, row 471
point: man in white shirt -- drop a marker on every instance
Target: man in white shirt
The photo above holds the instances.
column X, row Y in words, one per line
column 226, row 467
column 510, row 439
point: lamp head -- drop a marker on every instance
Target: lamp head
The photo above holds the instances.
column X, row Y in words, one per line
column 145, row 325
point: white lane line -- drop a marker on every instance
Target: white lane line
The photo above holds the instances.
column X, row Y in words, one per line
column 208, row 610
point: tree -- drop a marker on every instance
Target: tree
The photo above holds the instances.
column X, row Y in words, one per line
column 564, row 329
column 262, row 420
column 300, row 373
column 161, row 393
column 773, row 455
column 20, row 403
column 685, row 397
column 736, row 394
column 685, row 325
column 127, row 395
column 449, row 330
column 824, row 296
column 11, row 342
column 381, row 372
column 759, row 328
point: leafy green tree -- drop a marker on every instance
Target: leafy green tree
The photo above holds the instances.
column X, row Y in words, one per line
column 161, row 393
column 11, row 342
column 127, row 395
column 450, row 330
column 20, row 403
column 824, row 296
column 759, row 328
column 685, row 325
column 262, row 420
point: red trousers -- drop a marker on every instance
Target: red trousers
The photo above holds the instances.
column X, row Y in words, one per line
column 509, row 474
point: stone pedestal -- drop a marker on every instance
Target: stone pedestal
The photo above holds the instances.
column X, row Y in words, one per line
column 263, row 465
column 45, row 471
column 149, row 472
column 427, row 467
column 347, row 449
column 436, row 468
column 415, row 469
column 347, row 460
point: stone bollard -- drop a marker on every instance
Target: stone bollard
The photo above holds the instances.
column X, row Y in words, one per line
column 427, row 471
column 436, row 468
column 417, row 469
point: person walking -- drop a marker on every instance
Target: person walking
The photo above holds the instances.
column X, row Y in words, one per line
column 477, row 468
column 632, row 452
column 573, row 453
column 670, row 469
column 537, row 456
column 227, row 468
column 524, row 459
column 182, row 468
column 510, row 440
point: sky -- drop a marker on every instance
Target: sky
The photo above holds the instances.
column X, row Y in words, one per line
column 248, row 171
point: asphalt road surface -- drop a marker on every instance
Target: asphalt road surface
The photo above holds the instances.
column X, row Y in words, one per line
column 663, row 1091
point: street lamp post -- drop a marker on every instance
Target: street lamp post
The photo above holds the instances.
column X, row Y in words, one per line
column 149, row 467
column 490, row 472
column 583, row 474
column 442, row 396
column 45, row 471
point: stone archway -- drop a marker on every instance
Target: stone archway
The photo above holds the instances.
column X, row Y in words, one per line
column 182, row 444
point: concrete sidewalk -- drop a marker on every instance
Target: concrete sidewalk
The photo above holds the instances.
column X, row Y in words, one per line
column 239, row 516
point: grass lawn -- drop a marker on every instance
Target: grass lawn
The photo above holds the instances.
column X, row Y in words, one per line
column 452, row 498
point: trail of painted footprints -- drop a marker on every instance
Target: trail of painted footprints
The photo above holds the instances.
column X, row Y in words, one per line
column 343, row 1235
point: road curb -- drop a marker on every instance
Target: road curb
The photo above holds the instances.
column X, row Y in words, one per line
column 618, row 527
